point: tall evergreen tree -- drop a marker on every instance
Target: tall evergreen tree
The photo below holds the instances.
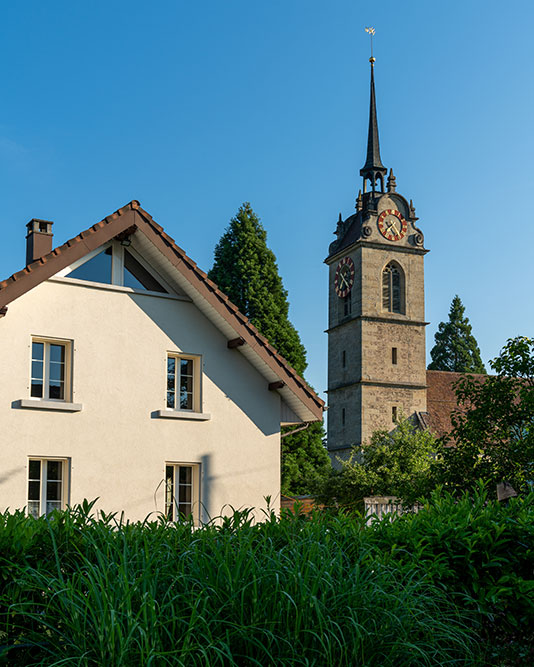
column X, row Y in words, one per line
column 246, row 270
column 455, row 348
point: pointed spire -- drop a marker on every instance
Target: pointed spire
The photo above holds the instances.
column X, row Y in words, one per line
column 373, row 168
column 359, row 202
column 392, row 182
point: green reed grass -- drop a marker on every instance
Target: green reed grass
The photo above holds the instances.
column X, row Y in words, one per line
column 77, row 590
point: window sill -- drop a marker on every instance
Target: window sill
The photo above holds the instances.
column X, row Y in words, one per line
column 182, row 414
column 61, row 406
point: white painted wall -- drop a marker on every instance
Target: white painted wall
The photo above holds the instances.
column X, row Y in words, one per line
column 117, row 449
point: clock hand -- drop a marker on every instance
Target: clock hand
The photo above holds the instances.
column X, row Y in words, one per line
column 392, row 225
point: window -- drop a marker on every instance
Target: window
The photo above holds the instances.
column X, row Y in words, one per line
column 343, row 416
column 344, row 359
column 97, row 269
column 183, row 382
column 181, row 491
column 394, row 413
column 50, row 369
column 114, row 264
column 46, row 485
column 392, row 288
column 394, row 356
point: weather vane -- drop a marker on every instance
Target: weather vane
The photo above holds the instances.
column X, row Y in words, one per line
column 371, row 32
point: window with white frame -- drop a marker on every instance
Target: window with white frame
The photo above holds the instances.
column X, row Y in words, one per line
column 46, row 485
column 182, row 482
column 183, row 382
column 50, row 369
column 116, row 264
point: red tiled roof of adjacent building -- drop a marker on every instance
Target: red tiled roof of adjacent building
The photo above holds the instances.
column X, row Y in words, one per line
column 441, row 399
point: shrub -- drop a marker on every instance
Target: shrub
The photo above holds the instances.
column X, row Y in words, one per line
column 478, row 550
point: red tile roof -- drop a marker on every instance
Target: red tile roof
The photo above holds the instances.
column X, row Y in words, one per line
column 441, row 399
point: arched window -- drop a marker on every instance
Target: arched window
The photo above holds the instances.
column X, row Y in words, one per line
column 392, row 288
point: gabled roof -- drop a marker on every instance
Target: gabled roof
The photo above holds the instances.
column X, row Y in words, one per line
column 281, row 377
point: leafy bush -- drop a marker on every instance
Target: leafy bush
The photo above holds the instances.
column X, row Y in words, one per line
column 85, row 591
column 398, row 463
column 478, row 550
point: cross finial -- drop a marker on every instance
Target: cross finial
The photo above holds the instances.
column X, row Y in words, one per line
column 371, row 32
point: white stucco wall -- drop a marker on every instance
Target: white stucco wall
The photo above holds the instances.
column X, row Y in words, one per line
column 116, row 447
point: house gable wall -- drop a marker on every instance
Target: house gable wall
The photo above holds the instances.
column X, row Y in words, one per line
column 117, row 446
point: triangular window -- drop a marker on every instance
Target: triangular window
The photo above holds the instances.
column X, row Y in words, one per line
column 97, row 269
column 116, row 265
column 137, row 277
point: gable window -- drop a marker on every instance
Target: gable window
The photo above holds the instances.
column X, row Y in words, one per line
column 50, row 369
column 46, row 486
column 182, row 491
column 183, row 382
column 96, row 269
column 115, row 264
column 392, row 288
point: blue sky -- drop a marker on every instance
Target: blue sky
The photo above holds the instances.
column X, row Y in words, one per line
column 195, row 107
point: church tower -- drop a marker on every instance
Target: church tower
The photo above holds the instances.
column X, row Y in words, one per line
column 376, row 327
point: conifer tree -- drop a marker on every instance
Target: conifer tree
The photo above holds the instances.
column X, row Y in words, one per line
column 455, row 348
column 245, row 270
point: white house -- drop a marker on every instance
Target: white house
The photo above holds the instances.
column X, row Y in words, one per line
column 127, row 375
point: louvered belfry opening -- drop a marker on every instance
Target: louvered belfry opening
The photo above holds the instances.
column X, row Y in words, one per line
column 392, row 300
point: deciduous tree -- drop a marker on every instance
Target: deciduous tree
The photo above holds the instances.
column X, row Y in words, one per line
column 398, row 463
column 493, row 429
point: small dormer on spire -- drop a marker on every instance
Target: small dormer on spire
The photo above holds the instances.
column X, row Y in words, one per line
column 373, row 169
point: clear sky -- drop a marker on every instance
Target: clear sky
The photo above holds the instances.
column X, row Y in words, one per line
column 195, row 107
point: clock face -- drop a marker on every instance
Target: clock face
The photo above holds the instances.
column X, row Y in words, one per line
column 392, row 225
column 344, row 279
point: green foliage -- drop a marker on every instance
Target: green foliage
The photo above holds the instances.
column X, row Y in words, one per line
column 305, row 463
column 493, row 429
column 456, row 348
column 400, row 463
column 94, row 592
column 245, row 269
column 482, row 553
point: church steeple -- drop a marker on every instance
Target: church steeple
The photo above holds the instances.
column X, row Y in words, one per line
column 373, row 169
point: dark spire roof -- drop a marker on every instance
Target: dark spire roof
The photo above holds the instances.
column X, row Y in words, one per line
column 373, row 163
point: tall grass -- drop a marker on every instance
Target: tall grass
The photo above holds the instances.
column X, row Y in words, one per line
column 77, row 590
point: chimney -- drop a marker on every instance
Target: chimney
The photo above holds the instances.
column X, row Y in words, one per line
column 38, row 239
